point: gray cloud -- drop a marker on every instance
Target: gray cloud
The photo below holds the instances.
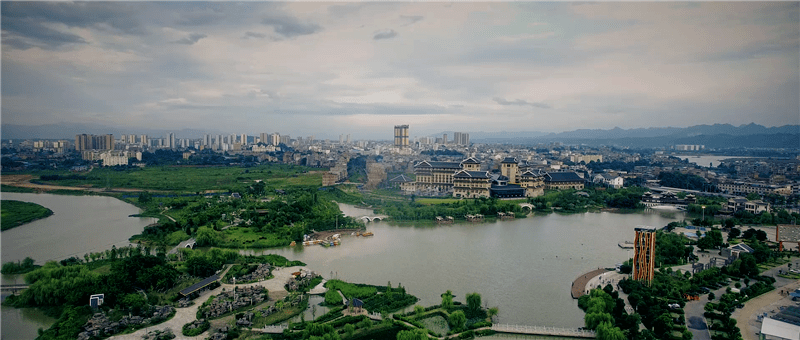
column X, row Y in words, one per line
column 385, row 34
column 411, row 19
column 254, row 35
column 520, row 102
column 191, row 39
column 290, row 27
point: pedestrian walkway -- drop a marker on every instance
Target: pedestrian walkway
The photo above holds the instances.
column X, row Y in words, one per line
column 579, row 285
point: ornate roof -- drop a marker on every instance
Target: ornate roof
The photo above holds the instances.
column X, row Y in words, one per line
column 472, row 174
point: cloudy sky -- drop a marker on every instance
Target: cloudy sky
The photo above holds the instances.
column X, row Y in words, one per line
column 322, row 69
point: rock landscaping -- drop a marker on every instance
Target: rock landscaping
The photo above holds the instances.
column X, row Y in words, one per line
column 262, row 272
column 100, row 326
column 301, row 280
column 224, row 302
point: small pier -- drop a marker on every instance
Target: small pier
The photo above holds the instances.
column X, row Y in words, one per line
column 626, row 245
column 475, row 218
column 505, row 215
column 444, row 220
column 542, row 330
column 13, row 288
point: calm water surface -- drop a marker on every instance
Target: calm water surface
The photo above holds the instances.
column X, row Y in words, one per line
column 524, row 266
column 701, row 160
column 79, row 225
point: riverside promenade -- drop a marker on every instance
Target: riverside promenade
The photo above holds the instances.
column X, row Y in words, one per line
column 579, row 285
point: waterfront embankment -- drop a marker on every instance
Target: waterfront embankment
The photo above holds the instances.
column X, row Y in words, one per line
column 579, row 285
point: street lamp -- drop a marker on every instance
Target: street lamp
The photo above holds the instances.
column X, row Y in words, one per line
column 234, row 289
column 704, row 212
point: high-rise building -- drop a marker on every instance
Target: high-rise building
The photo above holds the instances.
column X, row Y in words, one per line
column 243, row 139
column 644, row 256
column 401, row 136
column 460, row 138
column 207, row 140
column 444, row 139
column 274, row 139
column 341, row 139
column 264, row 138
column 143, row 140
column 286, row 139
column 171, row 141
column 93, row 142
column 348, row 138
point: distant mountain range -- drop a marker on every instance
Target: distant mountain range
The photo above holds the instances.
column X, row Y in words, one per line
column 712, row 136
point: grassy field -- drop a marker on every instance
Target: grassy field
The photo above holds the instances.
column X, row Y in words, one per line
column 16, row 213
column 431, row 201
column 191, row 179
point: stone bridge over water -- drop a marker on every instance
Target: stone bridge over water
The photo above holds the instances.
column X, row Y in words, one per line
column 373, row 218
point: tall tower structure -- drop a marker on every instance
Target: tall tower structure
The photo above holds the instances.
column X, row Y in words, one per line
column 401, row 136
column 644, row 255
column 510, row 168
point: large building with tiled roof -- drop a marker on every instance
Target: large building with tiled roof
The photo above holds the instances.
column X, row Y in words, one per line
column 471, row 184
column 466, row 180
column 533, row 182
column 563, row 180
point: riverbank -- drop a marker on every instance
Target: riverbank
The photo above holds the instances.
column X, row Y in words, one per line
column 16, row 213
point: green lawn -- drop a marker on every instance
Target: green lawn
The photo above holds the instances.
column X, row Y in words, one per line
column 431, row 201
column 16, row 213
column 191, row 179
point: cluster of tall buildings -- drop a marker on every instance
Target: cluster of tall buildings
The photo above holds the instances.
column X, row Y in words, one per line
column 401, row 139
column 94, row 142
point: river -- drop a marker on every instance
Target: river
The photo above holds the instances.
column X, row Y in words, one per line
column 707, row 160
column 79, row 225
column 524, row 266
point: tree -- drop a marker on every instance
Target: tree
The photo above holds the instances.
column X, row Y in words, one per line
column 416, row 334
column 457, row 320
column 349, row 329
column 606, row 331
column 474, row 301
column 492, row 312
column 134, row 302
column 332, row 298
column 418, row 310
column 753, row 196
column 447, row 300
column 733, row 233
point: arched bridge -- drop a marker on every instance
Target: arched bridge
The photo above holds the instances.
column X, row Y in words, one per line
column 526, row 206
column 373, row 218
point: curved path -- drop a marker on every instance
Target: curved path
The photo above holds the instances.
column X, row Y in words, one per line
column 579, row 285
column 275, row 286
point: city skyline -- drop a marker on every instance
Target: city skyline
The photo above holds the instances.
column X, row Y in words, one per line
column 360, row 68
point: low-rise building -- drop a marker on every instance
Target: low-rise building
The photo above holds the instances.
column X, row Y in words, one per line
column 563, row 180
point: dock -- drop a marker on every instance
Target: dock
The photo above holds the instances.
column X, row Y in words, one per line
column 626, row 245
column 579, row 285
column 542, row 330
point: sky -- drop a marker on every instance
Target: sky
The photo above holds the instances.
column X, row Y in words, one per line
column 324, row 69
